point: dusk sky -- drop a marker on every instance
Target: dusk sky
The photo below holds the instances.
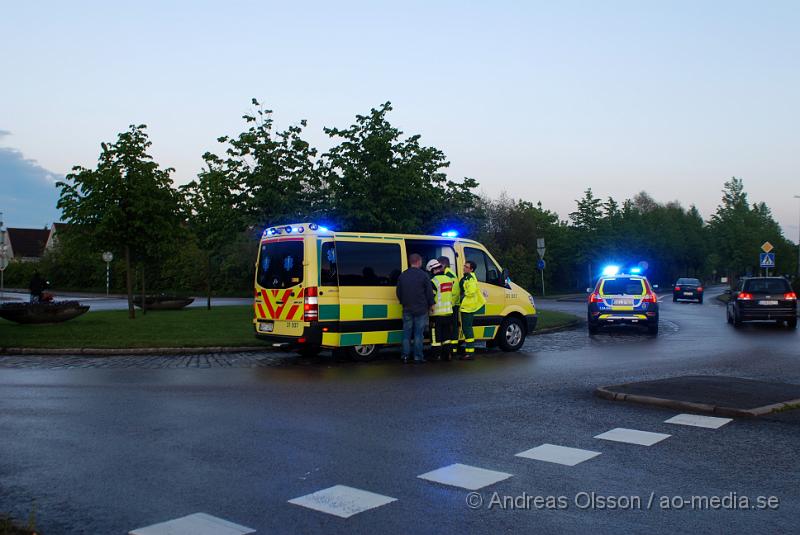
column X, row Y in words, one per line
column 537, row 99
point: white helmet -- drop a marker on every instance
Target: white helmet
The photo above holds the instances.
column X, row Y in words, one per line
column 433, row 264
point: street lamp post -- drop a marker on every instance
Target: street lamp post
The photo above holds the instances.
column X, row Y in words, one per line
column 798, row 242
column 3, row 259
column 108, row 256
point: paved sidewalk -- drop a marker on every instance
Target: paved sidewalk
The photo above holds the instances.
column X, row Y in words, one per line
column 728, row 396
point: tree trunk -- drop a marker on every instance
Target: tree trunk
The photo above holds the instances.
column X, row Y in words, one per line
column 129, row 283
column 144, row 303
column 208, row 280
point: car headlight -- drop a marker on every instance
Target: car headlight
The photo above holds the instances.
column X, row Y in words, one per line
column 530, row 298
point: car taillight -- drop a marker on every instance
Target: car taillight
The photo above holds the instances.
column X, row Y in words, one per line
column 595, row 298
column 650, row 298
column 310, row 304
column 677, row 288
column 790, row 295
column 744, row 296
column 699, row 288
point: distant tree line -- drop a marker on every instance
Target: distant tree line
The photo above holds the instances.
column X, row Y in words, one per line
column 202, row 237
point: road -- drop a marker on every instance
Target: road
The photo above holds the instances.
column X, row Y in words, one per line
column 106, row 449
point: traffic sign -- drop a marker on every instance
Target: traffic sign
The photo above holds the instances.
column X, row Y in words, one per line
column 767, row 260
column 540, row 264
column 540, row 247
column 767, row 247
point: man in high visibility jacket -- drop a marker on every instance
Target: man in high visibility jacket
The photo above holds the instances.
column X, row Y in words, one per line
column 472, row 301
column 445, row 262
column 441, row 312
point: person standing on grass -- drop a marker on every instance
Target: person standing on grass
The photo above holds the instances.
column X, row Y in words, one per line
column 415, row 293
column 37, row 287
column 472, row 301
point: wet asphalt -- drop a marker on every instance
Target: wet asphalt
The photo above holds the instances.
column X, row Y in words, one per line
column 103, row 450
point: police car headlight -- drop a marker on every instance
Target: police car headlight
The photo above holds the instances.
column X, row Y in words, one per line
column 530, row 298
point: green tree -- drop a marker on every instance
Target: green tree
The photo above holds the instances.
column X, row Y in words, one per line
column 374, row 180
column 126, row 203
column 215, row 206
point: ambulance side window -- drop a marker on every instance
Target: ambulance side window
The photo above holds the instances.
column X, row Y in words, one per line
column 486, row 270
column 368, row 263
column 328, row 274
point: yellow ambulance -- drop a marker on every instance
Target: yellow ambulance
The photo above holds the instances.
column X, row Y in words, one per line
column 318, row 289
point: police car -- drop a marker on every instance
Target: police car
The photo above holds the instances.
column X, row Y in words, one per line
column 622, row 299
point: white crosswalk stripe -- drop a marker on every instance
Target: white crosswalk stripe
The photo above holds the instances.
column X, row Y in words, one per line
column 633, row 436
column 196, row 524
column 465, row 476
column 696, row 420
column 552, row 453
column 342, row 501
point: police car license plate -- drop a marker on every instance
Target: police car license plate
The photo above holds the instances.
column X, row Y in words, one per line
column 767, row 302
column 266, row 327
column 623, row 302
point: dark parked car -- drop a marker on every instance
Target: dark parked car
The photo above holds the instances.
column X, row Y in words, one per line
column 763, row 298
column 691, row 289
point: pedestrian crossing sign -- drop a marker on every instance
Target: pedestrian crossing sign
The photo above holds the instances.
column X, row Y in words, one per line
column 767, row 260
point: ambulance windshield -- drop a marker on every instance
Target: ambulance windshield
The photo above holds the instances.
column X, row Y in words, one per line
column 280, row 264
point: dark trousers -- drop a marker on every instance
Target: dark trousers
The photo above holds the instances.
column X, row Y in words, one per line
column 467, row 319
column 442, row 335
column 456, row 329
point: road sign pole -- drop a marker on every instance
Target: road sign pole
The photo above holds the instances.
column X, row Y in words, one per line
column 542, row 283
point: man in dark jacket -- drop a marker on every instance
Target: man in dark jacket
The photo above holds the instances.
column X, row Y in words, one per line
column 415, row 292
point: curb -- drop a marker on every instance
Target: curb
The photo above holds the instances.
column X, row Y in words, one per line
column 566, row 327
column 698, row 407
column 190, row 350
column 133, row 351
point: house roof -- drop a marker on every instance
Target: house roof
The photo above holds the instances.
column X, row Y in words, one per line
column 59, row 227
column 28, row 242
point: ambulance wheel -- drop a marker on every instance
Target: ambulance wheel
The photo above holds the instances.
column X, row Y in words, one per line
column 511, row 335
column 363, row 353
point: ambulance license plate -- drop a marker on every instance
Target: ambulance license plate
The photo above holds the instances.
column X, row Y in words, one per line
column 767, row 303
column 266, row 327
column 623, row 302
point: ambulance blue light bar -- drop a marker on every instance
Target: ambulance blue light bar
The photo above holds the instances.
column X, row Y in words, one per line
column 610, row 271
column 450, row 234
column 636, row 270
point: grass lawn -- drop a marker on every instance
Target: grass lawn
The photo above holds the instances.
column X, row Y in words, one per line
column 192, row 327
column 550, row 318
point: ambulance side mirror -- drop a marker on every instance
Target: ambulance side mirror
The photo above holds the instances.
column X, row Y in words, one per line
column 506, row 278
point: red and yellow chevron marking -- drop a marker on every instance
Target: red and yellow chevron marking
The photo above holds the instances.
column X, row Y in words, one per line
column 272, row 309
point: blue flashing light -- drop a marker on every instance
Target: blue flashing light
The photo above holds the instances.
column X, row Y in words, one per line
column 636, row 270
column 450, row 234
column 272, row 232
column 288, row 229
column 610, row 271
column 300, row 229
column 323, row 229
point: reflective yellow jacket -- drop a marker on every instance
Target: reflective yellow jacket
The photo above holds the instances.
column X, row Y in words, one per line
column 443, row 295
column 471, row 297
column 456, row 286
